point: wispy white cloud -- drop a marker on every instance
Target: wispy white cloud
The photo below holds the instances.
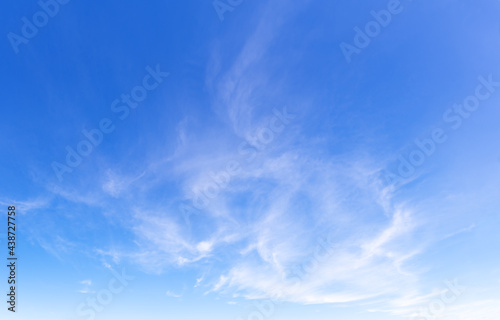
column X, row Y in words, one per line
column 173, row 295
column 26, row 206
column 259, row 234
column 239, row 86
column 86, row 286
column 115, row 184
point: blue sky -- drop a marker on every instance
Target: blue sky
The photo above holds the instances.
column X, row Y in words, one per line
column 231, row 160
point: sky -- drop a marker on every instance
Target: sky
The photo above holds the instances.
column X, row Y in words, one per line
column 233, row 159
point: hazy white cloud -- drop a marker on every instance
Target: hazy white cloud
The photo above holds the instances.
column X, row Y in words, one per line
column 173, row 295
column 86, row 286
column 115, row 184
column 26, row 206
